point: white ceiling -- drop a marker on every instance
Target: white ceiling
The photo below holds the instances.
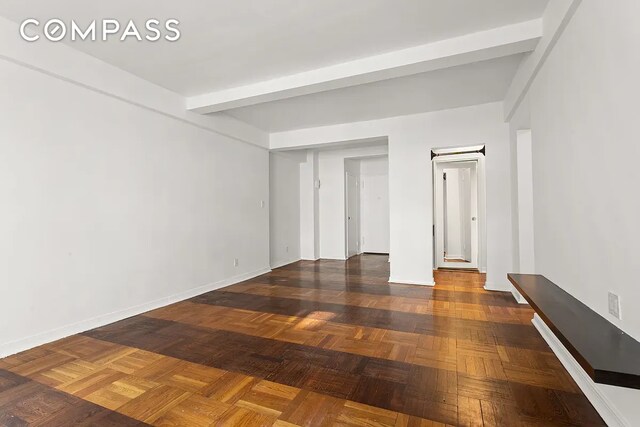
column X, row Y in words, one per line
column 227, row 43
column 470, row 84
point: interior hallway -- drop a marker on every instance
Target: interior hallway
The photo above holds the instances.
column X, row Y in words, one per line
column 312, row 343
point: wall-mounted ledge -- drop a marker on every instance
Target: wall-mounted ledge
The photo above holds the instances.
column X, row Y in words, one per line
column 606, row 353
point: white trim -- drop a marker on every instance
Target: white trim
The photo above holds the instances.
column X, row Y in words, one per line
column 13, row 347
column 494, row 287
column 333, row 258
column 465, row 149
column 479, row 261
column 519, row 298
column 279, row 264
column 412, row 282
column 599, row 401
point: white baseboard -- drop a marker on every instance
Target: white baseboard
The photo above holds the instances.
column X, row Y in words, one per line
column 495, row 287
column 600, row 402
column 279, row 264
column 412, row 282
column 23, row 344
column 519, row 298
column 375, row 251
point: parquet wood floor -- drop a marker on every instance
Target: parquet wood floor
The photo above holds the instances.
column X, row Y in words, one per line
column 313, row 343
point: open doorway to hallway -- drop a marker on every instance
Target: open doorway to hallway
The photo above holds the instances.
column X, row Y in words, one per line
column 367, row 205
column 458, row 202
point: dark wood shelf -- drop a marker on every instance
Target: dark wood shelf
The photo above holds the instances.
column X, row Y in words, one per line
column 605, row 352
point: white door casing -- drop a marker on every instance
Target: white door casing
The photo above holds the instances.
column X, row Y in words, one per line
column 476, row 209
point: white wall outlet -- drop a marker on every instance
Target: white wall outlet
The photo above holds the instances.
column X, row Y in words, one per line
column 614, row 305
column 262, row 203
column 236, row 262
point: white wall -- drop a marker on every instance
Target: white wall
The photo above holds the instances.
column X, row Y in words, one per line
column 61, row 61
column 584, row 113
column 110, row 208
column 526, row 246
column 583, row 117
column 410, row 181
column 309, row 207
column 374, row 212
column 374, row 166
column 284, row 209
column 521, row 120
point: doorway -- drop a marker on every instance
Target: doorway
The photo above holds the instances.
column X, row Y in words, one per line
column 366, row 212
column 459, row 221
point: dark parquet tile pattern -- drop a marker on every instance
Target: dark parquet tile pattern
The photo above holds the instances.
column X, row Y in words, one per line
column 312, row 343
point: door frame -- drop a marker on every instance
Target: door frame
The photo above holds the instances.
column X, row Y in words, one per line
column 346, row 214
column 438, row 243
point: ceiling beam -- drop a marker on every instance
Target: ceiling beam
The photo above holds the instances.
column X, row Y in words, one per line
column 480, row 46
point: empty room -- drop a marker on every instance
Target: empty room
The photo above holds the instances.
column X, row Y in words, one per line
column 291, row 213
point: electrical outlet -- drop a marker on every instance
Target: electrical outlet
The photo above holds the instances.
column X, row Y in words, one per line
column 236, row 262
column 614, row 305
column 262, row 203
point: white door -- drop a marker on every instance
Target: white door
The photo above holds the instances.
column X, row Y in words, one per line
column 374, row 213
column 352, row 215
column 456, row 214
